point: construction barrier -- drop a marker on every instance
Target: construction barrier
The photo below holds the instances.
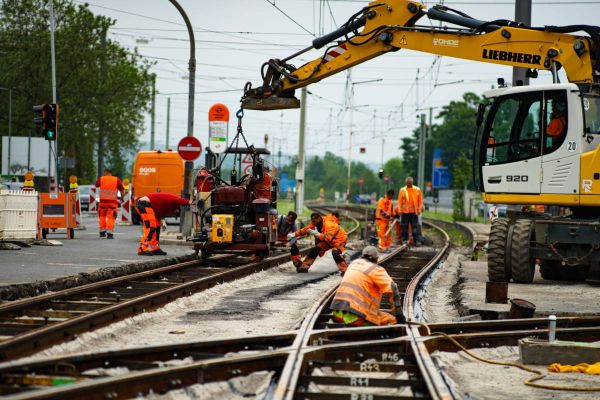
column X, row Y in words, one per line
column 93, row 202
column 77, row 208
column 18, row 214
column 126, row 209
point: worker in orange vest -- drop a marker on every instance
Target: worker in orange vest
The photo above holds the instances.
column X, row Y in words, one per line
column 109, row 187
column 328, row 236
column 383, row 216
column 358, row 298
column 557, row 126
column 410, row 205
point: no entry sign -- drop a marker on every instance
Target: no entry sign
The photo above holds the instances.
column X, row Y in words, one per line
column 189, row 148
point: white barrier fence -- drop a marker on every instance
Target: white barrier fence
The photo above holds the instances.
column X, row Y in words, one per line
column 18, row 214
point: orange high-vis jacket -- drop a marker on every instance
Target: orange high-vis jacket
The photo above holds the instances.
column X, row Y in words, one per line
column 331, row 232
column 410, row 201
column 109, row 187
column 361, row 290
column 556, row 126
column 331, row 217
column 384, row 209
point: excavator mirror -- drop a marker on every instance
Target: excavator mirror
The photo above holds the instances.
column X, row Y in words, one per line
column 272, row 102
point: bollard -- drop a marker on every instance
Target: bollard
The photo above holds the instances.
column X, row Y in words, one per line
column 551, row 328
column 520, row 308
column 496, row 292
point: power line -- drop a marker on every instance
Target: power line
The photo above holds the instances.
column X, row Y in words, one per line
column 290, row 18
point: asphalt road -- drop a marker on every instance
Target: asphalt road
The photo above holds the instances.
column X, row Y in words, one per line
column 86, row 253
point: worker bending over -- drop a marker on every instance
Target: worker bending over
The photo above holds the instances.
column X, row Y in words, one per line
column 410, row 206
column 383, row 216
column 286, row 224
column 329, row 235
column 153, row 208
column 109, row 186
column 358, row 298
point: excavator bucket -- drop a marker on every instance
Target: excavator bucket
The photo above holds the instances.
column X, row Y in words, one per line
column 272, row 102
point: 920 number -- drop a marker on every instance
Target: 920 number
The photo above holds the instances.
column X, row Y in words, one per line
column 517, row 178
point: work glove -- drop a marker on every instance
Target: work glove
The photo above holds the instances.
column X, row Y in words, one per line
column 291, row 235
column 313, row 232
column 384, row 214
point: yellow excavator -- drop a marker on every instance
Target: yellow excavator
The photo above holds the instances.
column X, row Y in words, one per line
column 534, row 145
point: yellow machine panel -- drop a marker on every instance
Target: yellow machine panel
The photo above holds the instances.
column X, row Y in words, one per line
column 221, row 230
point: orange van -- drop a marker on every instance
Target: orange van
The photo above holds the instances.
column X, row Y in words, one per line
column 156, row 171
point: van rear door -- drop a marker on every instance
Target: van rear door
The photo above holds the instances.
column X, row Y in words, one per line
column 170, row 179
column 146, row 175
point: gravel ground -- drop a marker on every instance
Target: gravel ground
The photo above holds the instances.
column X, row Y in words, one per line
column 472, row 379
column 268, row 302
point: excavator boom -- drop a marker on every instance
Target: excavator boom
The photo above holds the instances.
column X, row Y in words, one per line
column 391, row 25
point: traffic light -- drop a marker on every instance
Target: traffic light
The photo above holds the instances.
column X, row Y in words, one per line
column 380, row 173
column 46, row 116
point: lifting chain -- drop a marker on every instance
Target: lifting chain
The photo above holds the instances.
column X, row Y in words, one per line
column 571, row 261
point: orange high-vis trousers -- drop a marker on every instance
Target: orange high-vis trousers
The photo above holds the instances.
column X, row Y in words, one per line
column 150, row 227
column 107, row 214
column 382, row 227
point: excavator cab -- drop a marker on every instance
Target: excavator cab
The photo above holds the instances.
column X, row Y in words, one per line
column 530, row 142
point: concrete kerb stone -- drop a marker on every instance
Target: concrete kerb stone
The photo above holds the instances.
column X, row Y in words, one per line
column 23, row 290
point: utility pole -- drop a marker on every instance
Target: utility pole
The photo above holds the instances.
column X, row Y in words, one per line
column 101, row 127
column 350, row 144
column 522, row 15
column 185, row 225
column 53, row 60
column 300, row 166
column 421, row 167
column 153, row 112
column 168, row 122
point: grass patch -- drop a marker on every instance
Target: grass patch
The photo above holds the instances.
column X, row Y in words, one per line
column 284, row 206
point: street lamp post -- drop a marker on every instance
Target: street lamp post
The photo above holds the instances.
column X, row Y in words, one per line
column 185, row 226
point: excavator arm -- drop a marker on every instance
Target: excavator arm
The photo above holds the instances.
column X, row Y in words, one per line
column 390, row 25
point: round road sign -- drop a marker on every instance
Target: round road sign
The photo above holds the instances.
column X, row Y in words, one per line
column 189, row 148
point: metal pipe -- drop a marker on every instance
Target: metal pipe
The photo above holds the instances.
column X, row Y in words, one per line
column 53, row 59
column 438, row 14
column 185, row 225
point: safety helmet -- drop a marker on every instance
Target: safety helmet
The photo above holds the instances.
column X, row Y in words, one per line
column 370, row 253
column 559, row 106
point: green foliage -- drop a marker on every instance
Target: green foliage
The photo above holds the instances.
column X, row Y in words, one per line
column 455, row 135
column 394, row 167
column 462, row 176
column 98, row 85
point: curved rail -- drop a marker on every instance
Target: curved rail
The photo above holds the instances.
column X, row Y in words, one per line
column 32, row 324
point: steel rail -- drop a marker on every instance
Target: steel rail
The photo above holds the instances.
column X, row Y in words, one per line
column 140, row 295
column 345, row 349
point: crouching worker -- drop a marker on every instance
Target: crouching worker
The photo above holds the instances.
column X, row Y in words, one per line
column 357, row 300
column 153, row 208
column 329, row 235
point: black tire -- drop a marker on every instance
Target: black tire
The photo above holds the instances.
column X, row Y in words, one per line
column 44, row 233
column 497, row 269
column 550, row 270
column 523, row 267
column 71, row 233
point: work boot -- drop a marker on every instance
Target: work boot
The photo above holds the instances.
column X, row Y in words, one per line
column 145, row 253
column 109, row 235
column 296, row 261
column 159, row 252
column 305, row 266
column 102, row 234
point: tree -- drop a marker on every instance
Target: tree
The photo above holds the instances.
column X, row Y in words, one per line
column 98, row 85
column 394, row 167
column 462, row 177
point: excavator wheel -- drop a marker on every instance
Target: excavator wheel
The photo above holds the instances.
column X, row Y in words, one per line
column 497, row 268
column 523, row 267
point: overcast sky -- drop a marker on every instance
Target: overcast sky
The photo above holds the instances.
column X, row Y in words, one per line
column 235, row 37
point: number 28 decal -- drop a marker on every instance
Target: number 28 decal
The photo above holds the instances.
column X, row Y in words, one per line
column 572, row 145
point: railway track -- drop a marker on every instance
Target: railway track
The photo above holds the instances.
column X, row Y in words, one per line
column 300, row 360
column 318, row 360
